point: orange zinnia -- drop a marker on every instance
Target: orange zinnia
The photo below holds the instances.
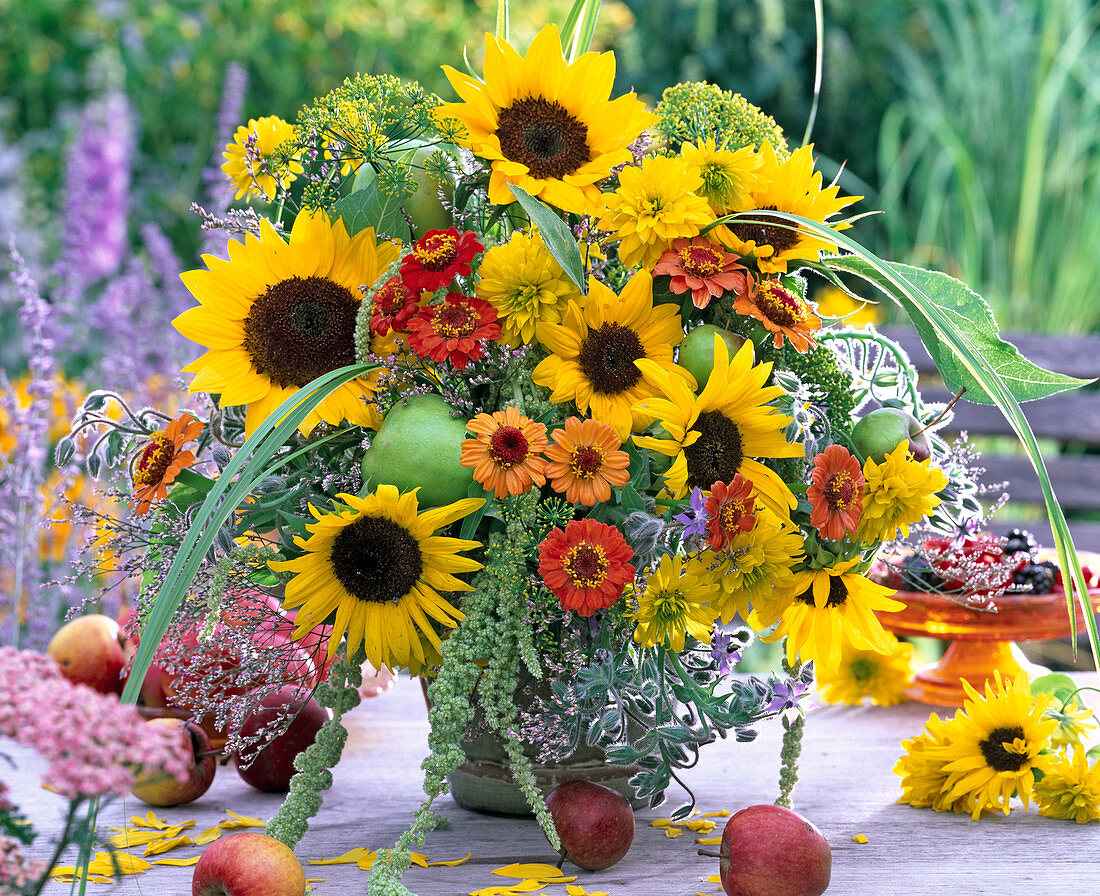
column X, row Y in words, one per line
column 729, row 511
column 586, row 565
column 506, row 454
column 161, row 460
column 585, row 461
column 836, row 493
column 700, row 266
column 782, row 312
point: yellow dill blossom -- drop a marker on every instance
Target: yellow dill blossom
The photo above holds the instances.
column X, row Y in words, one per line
column 923, row 779
column 1069, row 788
column 794, row 188
column 718, row 433
column 655, row 205
column 832, row 608
column 376, row 569
column 1073, row 724
column 728, row 177
column 525, row 285
column 897, row 493
column 544, row 125
column 755, row 568
column 865, row 673
column 675, row 602
column 252, row 162
column 596, row 345
column 834, row 302
column 994, row 744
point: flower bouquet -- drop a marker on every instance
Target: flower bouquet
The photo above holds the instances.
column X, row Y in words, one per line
column 526, row 393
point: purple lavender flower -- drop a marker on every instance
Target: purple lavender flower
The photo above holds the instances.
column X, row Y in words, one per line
column 694, row 521
column 219, row 192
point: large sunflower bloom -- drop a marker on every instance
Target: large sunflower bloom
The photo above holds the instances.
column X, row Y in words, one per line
column 674, row 603
column 251, row 163
column 546, row 126
column 595, row 346
column 832, row 608
column 585, row 460
column 923, row 779
column 506, row 452
column 717, row 434
column 792, row 187
column 995, row 742
column 586, row 566
column 897, row 493
column 161, row 460
column 277, row 315
column 378, row 568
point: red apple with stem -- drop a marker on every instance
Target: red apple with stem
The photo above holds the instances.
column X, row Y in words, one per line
column 595, row 823
column 159, row 789
column 771, row 851
column 248, row 864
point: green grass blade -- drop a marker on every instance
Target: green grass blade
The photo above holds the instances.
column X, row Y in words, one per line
column 819, row 62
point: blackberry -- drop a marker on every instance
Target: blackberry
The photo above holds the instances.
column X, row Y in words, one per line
column 1035, row 578
column 1018, row 540
column 917, row 574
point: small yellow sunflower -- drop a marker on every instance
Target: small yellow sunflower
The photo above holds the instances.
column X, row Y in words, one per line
column 252, row 164
column 595, row 347
column 277, row 315
column 792, row 187
column 376, row 570
column 830, row 608
column 728, row 177
column 1069, row 788
column 994, row 744
column 675, row 602
column 897, row 493
column 544, row 125
column 923, row 779
column 717, row 434
column 525, row 285
column 866, row 673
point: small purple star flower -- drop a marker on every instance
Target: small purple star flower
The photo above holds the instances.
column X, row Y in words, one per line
column 725, row 651
column 695, row 521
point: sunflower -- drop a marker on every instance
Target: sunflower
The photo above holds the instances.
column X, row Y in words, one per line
column 525, row 285
column 506, row 454
column 277, row 315
column 782, row 312
column 717, row 434
column 654, row 206
column 835, row 493
column 702, row 267
column 251, row 162
column 586, row 566
column 161, row 460
column 438, row 257
column 995, row 742
column 755, row 569
column 923, row 779
column 595, row 346
column 831, row 608
column 585, row 460
column 729, row 509
column 792, row 187
column 546, row 126
column 1069, row 788
column 455, row 330
column 675, row 602
column 729, row 177
column 378, row 566
column 897, row 493
column 864, row 673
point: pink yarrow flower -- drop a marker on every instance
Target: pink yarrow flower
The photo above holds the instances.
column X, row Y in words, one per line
column 704, row 268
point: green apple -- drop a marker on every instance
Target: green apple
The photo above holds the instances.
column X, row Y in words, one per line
column 697, row 350
column 881, row 431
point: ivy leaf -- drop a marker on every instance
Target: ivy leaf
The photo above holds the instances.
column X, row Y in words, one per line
column 559, row 239
column 973, row 319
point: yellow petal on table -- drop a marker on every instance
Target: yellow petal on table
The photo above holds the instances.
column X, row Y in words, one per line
column 708, row 841
column 125, row 863
column 714, row 879
column 150, row 820
column 704, row 827
column 190, row 860
column 367, row 862
column 723, row 814
column 349, row 858
column 661, row 823
column 500, row 891
column 418, row 858
column 673, row 832
column 860, row 838
column 537, row 870
column 241, row 821
column 452, row 863
column 131, row 838
column 166, row 845
column 578, row 890
column 209, row 835
column 315, row 880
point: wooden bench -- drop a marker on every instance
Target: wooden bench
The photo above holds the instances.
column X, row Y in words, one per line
column 1070, row 420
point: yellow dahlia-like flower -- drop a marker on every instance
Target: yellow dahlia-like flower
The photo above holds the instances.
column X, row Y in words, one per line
column 792, row 187
column 252, row 164
column 277, row 315
column 596, row 345
column 655, row 205
column 865, row 673
column 1074, row 724
column 1069, row 788
column 544, row 125
column 525, row 285
column 728, row 177
column 923, row 779
column 675, row 602
column 897, row 493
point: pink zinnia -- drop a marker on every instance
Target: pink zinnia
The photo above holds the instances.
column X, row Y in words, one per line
column 701, row 266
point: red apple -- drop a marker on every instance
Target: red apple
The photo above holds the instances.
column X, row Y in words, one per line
column 159, row 789
column 91, row 650
column 595, row 823
column 273, row 768
column 771, row 851
column 248, row 864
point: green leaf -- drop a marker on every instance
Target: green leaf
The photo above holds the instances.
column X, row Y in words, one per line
column 471, row 522
column 369, row 206
column 971, row 319
column 1061, row 686
column 558, row 237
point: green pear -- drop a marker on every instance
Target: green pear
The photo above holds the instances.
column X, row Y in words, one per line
column 881, row 431
column 697, row 350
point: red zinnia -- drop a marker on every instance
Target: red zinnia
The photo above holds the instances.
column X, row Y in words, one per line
column 586, row 565
column 437, row 257
column 455, row 329
column 836, row 493
column 704, row 268
column 729, row 510
column 392, row 306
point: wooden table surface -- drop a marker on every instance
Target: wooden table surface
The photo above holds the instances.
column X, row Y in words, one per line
column 847, row 787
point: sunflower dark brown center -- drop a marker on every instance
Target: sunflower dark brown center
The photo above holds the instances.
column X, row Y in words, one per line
column 585, row 462
column 154, row 461
column 508, row 446
column 840, row 491
column 767, row 230
column 838, row 594
column 717, row 454
column 779, row 306
column 301, row 328
column 543, row 136
column 453, row 321
column 607, row 358
column 376, row 559
column 586, row 565
column 996, row 756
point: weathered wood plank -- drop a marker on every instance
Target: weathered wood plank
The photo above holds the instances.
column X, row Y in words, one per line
column 1070, row 417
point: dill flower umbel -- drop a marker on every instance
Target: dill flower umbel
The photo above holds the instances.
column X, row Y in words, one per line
column 674, row 603
column 1070, row 787
column 586, row 566
column 866, row 673
column 506, row 453
column 897, row 493
column 252, row 164
column 161, row 461
column 585, row 461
